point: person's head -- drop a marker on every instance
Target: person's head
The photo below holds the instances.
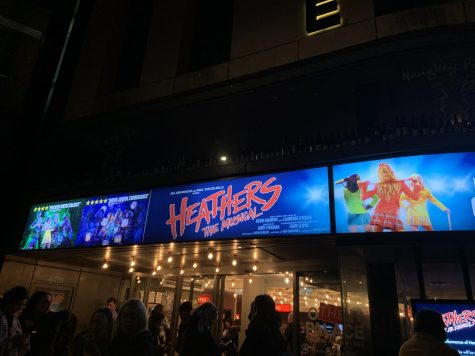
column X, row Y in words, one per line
column 132, row 318
column 386, row 173
column 14, row 300
column 290, row 317
column 101, row 323
column 416, row 179
column 155, row 320
column 111, row 304
column 226, row 323
column 352, row 183
column 39, row 304
column 264, row 310
column 430, row 322
column 388, row 185
column 160, row 308
column 203, row 317
column 184, row 310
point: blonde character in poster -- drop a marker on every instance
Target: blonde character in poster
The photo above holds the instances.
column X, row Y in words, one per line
column 389, row 190
column 417, row 215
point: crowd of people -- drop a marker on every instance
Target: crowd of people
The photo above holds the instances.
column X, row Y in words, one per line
column 28, row 327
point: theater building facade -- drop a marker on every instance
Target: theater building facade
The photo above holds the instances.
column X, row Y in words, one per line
column 321, row 152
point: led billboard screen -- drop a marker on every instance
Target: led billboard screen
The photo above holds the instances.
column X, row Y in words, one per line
column 291, row 203
column 96, row 221
column 418, row 193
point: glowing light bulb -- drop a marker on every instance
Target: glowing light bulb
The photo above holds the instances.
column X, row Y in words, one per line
column 170, row 259
column 105, row 265
column 131, row 269
column 182, row 271
column 195, row 265
column 154, row 273
column 286, row 280
column 210, row 254
column 250, row 280
column 254, row 267
column 217, row 269
column 232, row 284
column 234, row 260
column 132, row 262
column 159, row 268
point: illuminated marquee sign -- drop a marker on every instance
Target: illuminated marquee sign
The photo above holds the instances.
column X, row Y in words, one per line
column 321, row 15
column 291, row 203
column 418, row 193
column 280, row 204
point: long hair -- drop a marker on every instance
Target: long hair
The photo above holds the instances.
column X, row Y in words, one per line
column 388, row 186
column 264, row 311
column 202, row 318
column 139, row 308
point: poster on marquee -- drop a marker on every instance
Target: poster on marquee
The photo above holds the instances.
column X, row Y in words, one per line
column 418, row 193
column 291, row 203
column 117, row 219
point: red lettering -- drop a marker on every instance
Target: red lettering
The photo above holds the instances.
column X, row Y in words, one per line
column 203, row 214
column 252, row 188
column 275, row 190
column 236, row 207
column 190, row 211
column 224, row 204
column 214, row 202
column 180, row 217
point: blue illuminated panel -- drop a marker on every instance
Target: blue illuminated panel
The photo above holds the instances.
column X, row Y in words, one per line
column 385, row 196
column 293, row 203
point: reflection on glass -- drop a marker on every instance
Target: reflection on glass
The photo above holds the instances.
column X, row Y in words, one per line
column 321, row 320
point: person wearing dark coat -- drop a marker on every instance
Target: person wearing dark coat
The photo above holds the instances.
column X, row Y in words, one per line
column 263, row 335
column 185, row 313
column 198, row 340
column 132, row 336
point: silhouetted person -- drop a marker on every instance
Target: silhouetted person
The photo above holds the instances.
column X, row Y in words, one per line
column 51, row 332
column 185, row 313
column 429, row 336
column 13, row 341
column 113, row 307
column 159, row 332
column 198, row 340
column 95, row 340
column 132, row 336
column 263, row 336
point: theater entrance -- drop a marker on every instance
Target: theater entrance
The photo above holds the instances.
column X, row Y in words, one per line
column 297, row 273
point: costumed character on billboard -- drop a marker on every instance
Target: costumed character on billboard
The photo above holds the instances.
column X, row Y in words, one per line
column 357, row 210
column 389, row 190
column 417, row 214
